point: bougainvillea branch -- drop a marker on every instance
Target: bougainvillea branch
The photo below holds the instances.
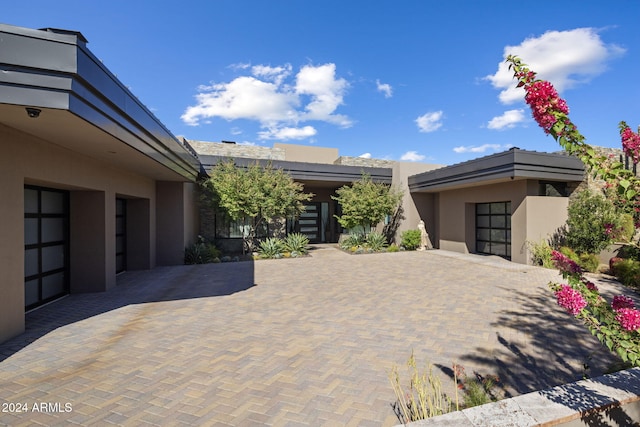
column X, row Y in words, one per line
column 552, row 114
column 616, row 325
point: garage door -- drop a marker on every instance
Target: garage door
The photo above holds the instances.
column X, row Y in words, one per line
column 493, row 229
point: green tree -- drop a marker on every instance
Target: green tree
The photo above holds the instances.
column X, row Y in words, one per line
column 259, row 193
column 366, row 203
column 592, row 224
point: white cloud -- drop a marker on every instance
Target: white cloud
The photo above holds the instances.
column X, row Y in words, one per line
column 288, row 133
column 274, row 74
column 385, row 88
column 565, row 58
column 430, row 122
column 412, row 156
column 266, row 97
column 507, row 120
column 481, row 148
column 365, row 155
column 326, row 93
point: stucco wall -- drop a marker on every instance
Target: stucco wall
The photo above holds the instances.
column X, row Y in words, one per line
column 414, row 206
column 456, row 212
column 93, row 186
column 305, row 153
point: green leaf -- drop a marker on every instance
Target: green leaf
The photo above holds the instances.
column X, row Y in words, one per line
column 624, row 183
column 622, row 353
column 609, row 344
column 630, row 194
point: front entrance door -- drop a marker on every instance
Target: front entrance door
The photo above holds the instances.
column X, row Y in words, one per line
column 309, row 222
column 46, row 245
column 121, row 235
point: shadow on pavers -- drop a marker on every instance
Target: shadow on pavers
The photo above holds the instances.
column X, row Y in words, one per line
column 135, row 287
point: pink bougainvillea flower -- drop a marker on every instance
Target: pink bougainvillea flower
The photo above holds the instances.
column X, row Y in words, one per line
column 591, row 286
column 570, row 299
column 631, row 144
column 544, row 101
column 629, row 318
column 621, row 301
column 564, row 264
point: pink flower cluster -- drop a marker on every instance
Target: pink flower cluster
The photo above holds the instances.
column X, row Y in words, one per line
column 629, row 318
column 631, row 144
column 564, row 263
column 543, row 99
column 622, row 301
column 626, row 314
column 570, row 299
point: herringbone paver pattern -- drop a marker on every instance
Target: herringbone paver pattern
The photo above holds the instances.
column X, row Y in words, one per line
column 286, row 342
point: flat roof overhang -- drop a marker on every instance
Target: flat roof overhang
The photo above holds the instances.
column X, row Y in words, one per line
column 84, row 107
column 501, row 167
column 317, row 174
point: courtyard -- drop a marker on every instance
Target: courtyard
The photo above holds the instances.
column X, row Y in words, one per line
column 307, row 341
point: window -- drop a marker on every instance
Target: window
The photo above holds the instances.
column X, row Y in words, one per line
column 493, row 229
column 553, row 189
column 226, row 228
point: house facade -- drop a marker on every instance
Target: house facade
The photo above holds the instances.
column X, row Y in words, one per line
column 94, row 184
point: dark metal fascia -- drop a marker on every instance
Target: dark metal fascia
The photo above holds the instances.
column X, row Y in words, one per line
column 60, row 72
column 308, row 171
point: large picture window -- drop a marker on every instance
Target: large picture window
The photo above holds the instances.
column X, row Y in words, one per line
column 46, row 247
column 226, row 228
column 493, row 229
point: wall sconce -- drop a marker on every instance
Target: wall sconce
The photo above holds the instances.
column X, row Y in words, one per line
column 34, row 113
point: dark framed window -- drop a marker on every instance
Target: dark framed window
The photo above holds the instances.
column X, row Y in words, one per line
column 46, row 245
column 493, row 229
column 227, row 228
column 553, row 189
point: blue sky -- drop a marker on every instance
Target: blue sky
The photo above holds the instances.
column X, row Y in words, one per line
column 402, row 80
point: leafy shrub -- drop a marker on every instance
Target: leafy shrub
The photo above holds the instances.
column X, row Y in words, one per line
column 628, row 272
column 296, row 242
column 629, row 252
column 627, row 227
column 592, row 223
column 201, row 252
column 393, row 248
column 376, row 241
column 410, row 239
column 271, row 247
column 541, row 254
column 589, row 262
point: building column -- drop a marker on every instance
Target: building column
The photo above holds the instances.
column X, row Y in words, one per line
column 175, row 221
column 92, row 241
column 11, row 253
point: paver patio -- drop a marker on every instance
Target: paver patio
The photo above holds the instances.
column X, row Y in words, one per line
column 305, row 341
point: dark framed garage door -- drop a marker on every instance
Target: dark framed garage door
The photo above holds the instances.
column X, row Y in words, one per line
column 46, row 245
column 493, row 229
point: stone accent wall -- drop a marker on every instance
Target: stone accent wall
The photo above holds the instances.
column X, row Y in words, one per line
column 235, row 150
column 361, row 161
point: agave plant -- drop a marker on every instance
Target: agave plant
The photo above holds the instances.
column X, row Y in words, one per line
column 271, row 247
column 376, row 241
column 296, row 242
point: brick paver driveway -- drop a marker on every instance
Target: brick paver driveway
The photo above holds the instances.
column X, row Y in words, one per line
column 285, row 342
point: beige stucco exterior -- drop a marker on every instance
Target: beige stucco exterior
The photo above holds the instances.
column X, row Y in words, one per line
column 307, row 154
column 533, row 217
column 161, row 217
